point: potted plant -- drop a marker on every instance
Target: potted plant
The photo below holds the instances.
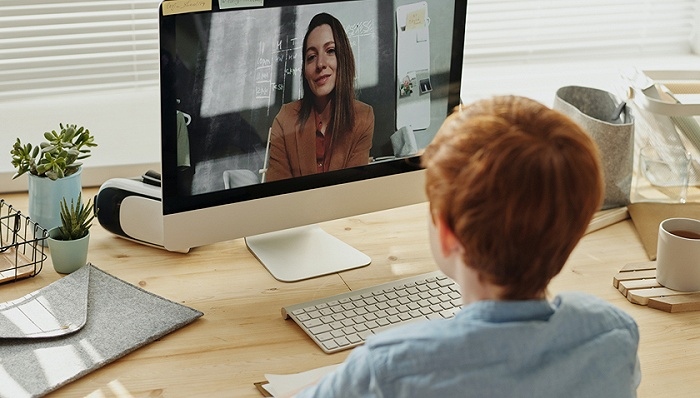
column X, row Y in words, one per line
column 54, row 169
column 68, row 243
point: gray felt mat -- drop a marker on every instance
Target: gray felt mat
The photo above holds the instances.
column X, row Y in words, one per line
column 75, row 325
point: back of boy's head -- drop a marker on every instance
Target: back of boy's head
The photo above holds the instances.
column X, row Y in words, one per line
column 518, row 184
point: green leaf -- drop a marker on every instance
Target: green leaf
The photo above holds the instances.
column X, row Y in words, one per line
column 55, row 157
column 42, row 169
column 69, row 133
column 76, row 218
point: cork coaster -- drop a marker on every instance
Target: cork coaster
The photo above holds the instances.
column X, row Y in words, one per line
column 637, row 282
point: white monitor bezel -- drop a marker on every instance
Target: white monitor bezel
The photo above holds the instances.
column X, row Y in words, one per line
column 221, row 216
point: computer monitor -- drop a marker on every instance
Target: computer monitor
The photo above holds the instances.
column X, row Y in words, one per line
column 226, row 73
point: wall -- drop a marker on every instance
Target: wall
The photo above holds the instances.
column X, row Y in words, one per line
column 125, row 124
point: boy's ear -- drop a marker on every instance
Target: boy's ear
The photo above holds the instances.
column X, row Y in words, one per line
column 449, row 243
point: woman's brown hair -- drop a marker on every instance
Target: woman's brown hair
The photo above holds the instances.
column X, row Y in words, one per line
column 343, row 96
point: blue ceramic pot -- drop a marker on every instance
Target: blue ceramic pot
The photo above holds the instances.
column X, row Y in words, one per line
column 45, row 196
column 67, row 255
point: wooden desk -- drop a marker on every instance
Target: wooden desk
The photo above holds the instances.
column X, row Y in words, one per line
column 242, row 334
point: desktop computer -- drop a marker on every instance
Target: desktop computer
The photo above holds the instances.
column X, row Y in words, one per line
column 236, row 84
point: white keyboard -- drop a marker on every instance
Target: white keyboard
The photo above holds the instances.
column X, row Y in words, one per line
column 345, row 320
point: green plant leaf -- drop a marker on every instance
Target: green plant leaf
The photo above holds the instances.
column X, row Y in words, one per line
column 76, row 218
column 57, row 156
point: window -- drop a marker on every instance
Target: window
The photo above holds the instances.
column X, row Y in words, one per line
column 533, row 47
column 526, row 31
column 54, row 46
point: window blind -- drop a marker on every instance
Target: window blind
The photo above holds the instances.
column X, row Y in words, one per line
column 59, row 46
column 529, row 31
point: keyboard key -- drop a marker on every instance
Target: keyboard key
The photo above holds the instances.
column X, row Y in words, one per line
column 338, row 316
column 303, row 317
column 330, row 345
column 335, row 325
column 355, row 338
column 324, row 336
column 312, row 323
column 360, row 327
column 337, row 333
column 319, row 329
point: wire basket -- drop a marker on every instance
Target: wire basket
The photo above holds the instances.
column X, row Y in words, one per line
column 22, row 245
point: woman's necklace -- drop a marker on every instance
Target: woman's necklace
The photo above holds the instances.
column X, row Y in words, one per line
column 322, row 125
column 319, row 123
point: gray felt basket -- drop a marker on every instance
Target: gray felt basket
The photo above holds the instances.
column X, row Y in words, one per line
column 608, row 121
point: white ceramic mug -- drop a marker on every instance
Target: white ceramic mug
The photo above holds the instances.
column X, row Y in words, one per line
column 678, row 254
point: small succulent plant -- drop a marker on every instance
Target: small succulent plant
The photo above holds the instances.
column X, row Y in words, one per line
column 57, row 157
column 76, row 219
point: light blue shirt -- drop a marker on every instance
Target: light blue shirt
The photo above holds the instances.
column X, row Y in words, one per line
column 575, row 346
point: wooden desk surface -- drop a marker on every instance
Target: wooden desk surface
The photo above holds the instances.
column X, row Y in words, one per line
column 242, row 334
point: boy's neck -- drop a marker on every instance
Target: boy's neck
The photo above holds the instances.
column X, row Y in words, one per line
column 474, row 287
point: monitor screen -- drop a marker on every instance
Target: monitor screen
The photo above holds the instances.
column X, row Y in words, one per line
column 289, row 113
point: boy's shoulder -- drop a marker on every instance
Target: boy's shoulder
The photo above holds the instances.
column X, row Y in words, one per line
column 584, row 303
column 598, row 316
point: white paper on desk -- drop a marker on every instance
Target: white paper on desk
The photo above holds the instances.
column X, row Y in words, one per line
column 284, row 385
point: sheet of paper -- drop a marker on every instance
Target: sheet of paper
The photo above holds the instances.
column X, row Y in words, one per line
column 415, row 19
column 224, row 4
column 171, row 7
column 282, row 385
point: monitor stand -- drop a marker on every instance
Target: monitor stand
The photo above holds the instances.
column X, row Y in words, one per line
column 304, row 252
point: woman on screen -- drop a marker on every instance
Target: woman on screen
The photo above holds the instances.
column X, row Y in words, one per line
column 328, row 129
